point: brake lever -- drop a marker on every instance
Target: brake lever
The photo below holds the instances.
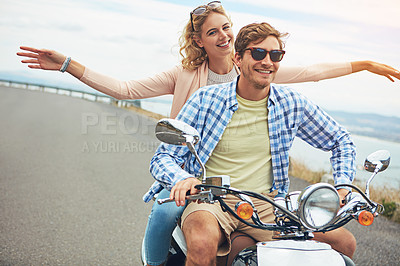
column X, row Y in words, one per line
column 351, row 200
column 203, row 196
column 166, row 200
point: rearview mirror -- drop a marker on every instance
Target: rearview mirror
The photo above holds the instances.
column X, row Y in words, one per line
column 377, row 161
column 176, row 132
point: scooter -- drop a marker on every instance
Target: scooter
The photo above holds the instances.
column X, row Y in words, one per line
column 297, row 215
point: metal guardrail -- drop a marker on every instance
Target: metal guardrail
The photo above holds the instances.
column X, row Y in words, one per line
column 91, row 96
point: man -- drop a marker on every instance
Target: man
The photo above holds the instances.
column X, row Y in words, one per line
column 247, row 128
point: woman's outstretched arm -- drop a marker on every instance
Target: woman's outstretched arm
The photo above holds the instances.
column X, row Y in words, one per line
column 297, row 74
column 160, row 84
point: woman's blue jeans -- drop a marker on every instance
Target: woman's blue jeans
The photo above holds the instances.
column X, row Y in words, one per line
column 160, row 225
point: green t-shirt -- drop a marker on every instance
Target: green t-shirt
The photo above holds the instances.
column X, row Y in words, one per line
column 244, row 151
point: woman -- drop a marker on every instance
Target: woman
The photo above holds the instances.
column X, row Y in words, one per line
column 207, row 49
column 194, row 70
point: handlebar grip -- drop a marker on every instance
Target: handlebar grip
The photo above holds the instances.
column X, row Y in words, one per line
column 161, row 201
column 166, row 200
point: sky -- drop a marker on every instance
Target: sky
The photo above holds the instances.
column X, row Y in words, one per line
column 137, row 39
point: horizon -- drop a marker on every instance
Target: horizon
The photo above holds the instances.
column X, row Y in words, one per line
column 139, row 39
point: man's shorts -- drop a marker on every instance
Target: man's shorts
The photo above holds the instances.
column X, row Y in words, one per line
column 229, row 223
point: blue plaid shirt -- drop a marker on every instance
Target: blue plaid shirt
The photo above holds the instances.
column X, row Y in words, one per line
column 290, row 115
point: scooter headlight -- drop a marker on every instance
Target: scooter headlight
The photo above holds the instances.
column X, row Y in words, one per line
column 318, row 205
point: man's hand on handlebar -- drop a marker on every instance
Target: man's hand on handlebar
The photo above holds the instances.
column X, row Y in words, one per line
column 178, row 192
column 342, row 195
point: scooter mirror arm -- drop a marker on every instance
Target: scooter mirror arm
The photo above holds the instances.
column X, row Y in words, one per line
column 203, row 175
column 378, row 167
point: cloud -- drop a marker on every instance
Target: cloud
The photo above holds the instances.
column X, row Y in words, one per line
column 382, row 13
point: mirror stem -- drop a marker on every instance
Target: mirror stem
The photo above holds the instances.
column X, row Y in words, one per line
column 378, row 167
column 203, row 169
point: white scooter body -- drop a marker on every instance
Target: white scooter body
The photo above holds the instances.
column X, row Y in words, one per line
column 179, row 238
column 299, row 253
column 287, row 252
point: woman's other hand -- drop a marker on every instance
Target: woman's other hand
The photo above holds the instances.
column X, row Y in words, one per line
column 376, row 68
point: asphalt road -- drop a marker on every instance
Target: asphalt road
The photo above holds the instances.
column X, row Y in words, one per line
column 72, row 176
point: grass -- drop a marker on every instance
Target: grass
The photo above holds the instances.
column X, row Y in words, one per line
column 300, row 170
column 388, row 197
column 145, row 112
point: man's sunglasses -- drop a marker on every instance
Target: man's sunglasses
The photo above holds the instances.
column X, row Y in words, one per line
column 201, row 9
column 259, row 54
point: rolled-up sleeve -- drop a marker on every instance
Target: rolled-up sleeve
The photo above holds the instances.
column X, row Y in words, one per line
column 166, row 166
column 323, row 132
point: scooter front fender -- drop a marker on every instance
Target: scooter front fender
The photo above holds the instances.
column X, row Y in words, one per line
column 291, row 252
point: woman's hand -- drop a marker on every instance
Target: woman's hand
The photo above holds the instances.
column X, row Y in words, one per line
column 42, row 58
column 376, row 68
column 49, row 60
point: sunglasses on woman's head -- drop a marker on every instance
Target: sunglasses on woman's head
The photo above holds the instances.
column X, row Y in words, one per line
column 201, row 9
column 259, row 54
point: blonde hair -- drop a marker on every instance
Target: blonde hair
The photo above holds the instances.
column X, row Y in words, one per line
column 193, row 55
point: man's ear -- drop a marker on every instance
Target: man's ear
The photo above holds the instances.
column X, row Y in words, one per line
column 238, row 59
column 198, row 41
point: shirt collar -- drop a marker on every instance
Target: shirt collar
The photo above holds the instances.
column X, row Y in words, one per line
column 272, row 94
column 231, row 94
column 231, row 101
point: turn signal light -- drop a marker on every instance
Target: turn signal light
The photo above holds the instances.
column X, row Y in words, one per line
column 365, row 218
column 244, row 210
